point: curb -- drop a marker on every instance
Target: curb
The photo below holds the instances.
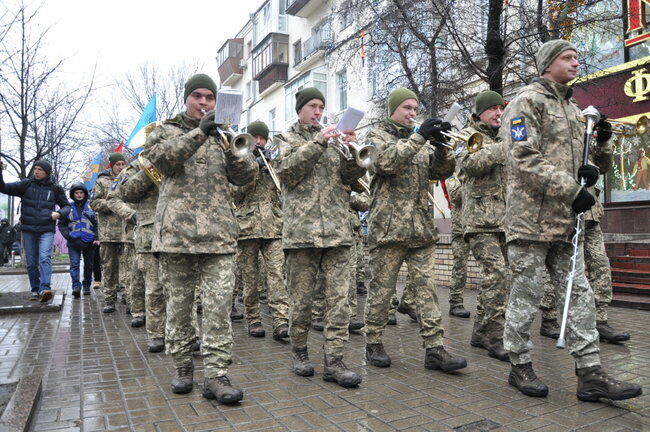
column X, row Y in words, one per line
column 21, row 409
column 54, row 306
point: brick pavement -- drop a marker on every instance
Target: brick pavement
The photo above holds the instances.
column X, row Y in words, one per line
column 99, row 376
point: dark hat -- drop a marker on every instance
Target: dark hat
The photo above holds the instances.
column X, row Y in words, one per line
column 76, row 187
column 307, row 94
column 199, row 81
column 549, row 52
column 258, row 128
column 45, row 165
column 397, row 96
column 487, row 99
column 115, row 157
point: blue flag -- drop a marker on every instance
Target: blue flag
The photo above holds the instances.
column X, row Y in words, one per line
column 93, row 171
column 148, row 116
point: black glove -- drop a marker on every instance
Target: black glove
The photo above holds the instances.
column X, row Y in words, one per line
column 583, row 202
column 604, row 130
column 207, row 124
column 432, row 130
column 590, row 173
column 134, row 219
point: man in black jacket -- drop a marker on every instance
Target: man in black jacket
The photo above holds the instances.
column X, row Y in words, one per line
column 40, row 195
column 7, row 237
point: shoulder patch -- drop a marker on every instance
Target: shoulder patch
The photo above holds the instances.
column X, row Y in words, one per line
column 115, row 183
column 518, row 129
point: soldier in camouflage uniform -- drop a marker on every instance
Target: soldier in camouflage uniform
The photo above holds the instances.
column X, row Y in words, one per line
column 316, row 233
column 260, row 230
column 401, row 226
column 195, row 233
column 543, row 133
column 110, row 229
column 484, row 204
column 131, row 277
column 460, row 249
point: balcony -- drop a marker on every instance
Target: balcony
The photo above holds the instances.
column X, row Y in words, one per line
column 271, row 62
column 274, row 77
column 229, row 59
column 314, row 48
column 302, row 8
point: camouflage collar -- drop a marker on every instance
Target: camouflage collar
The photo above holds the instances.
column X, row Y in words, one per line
column 396, row 129
column 561, row 91
column 183, row 121
column 484, row 128
column 307, row 131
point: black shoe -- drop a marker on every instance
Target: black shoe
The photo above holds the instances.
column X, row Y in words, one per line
column 392, row 319
column 263, row 295
column 33, row 296
column 376, row 355
column 281, row 332
column 197, row 345
column 318, row 324
column 183, row 382
column 301, row 364
column 550, row 329
column 495, row 349
column 361, row 289
column 336, row 371
column 439, row 358
column 256, row 330
column 594, row 383
column 609, row 334
column 86, row 291
column 459, row 311
column 355, row 324
column 123, row 299
column 110, row 307
column 235, row 315
column 137, row 322
column 406, row 309
column 524, row 379
column 219, row 388
column 477, row 337
column 76, row 292
column 199, row 308
column 156, row 345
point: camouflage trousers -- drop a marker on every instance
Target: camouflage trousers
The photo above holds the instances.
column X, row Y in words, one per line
column 408, row 295
column 110, row 255
column 180, row 274
column 278, row 301
column 302, row 267
column 528, row 261
column 154, row 297
column 385, row 262
column 358, row 259
column 489, row 250
column 460, row 249
column 547, row 306
column 134, row 283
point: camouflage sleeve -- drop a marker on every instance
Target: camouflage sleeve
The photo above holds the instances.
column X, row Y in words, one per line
column 350, row 170
column 100, row 192
column 527, row 161
column 481, row 163
column 240, row 170
column 168, row 154
column 136, row 188
column 360, row 202
column 239, row 193
column 394, row 158
column 115, row 202
column 442, row 162
column 602, row 155
column 296, row 159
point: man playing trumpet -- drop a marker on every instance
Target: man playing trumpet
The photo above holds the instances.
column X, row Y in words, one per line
column 401, row 226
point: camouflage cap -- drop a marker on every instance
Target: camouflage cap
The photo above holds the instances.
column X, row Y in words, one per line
column 549, row 52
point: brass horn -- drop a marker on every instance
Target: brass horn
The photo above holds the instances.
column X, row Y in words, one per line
column 240, row 145
column 473, row 141
column 628, row 129
column 137, row 141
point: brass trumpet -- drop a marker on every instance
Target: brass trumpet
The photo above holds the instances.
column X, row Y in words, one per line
column 473, row 141
column 240, row 145
column 628, row 129
column 365, row 154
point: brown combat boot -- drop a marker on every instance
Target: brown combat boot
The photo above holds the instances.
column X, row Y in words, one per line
column 439, row 358
column 219, row 388
column 336, row 371
column 594, row 383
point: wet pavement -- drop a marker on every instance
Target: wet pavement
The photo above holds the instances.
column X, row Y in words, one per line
column 98, row 375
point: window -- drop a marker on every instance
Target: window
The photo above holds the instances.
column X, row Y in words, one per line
column 272, row 120
column 297, row 52
column 316, row 78
column 249, row 90
column 274, row 50
column 342, row 89
column 249, row 49
column 346, row 15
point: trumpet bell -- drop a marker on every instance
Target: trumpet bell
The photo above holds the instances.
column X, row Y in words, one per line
column 474, row 143
column 243, row 145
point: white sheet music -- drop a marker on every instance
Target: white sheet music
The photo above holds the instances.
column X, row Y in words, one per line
column 228, row 108
column 350, row 119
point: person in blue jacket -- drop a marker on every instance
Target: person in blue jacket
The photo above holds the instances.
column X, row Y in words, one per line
column 79, row 227
column 40, row 195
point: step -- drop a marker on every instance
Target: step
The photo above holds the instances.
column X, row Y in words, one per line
column 631, row 288
column 631, row 301
column 630, row 275
column 628, row 262
column 639, row 252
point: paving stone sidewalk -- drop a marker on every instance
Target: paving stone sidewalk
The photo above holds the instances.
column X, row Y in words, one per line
column 98, row 375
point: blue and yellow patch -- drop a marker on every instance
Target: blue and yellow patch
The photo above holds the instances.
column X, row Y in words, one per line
column 518, row 129
column 114, row 184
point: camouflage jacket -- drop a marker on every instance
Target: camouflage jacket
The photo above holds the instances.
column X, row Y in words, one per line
column 194, row 214
column 399, row 207
column 359, row 202
column 258, row 208
column 109, row 223
column 456, row 198
column 142, row 193
column 484, row 182
column 600, row 155
column 120, row 208
column 316, row 201
column 543, row 131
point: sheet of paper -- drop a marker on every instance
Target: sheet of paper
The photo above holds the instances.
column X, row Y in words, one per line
column 228, row 108
column 350, row 119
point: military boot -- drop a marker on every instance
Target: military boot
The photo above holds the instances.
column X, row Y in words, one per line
column 156, row 345
column 355, row 324
column 523, row 377
column 336, row 371
column 594, row 383
column 301, row 364
column 376, row 355
column 392, row 319
column 263, row 295
column 219, row 388
column 235, row 315
column 361, row 288
column 183, row 381
column 86, row 291
column 318, row 324
column 110, row 307
column 199, row 308
column 439, row 358
column 494, row 347
column 477, row 337
column 458, row 310
column 255, row 329
column 137, row 322
column 281, row 332
column 406, row 309
column 550, row 328
column 609, row 334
